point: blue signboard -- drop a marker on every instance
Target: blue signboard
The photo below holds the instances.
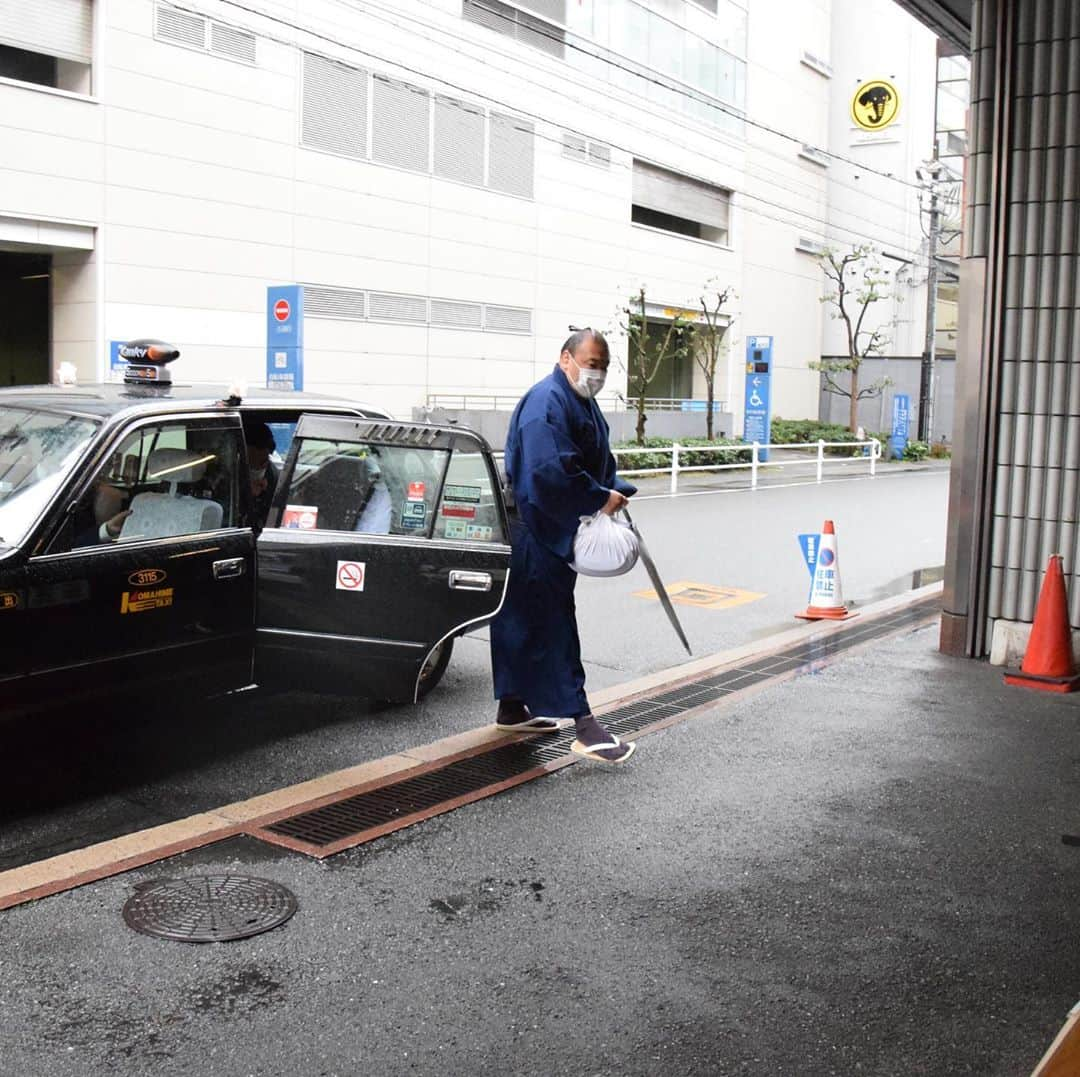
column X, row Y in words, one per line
column 757, row 414
column 809, row 544
column 901, row 417
column 116, row 364
column 285, row 338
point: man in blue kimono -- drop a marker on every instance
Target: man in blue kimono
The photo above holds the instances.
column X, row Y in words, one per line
column 560, row 466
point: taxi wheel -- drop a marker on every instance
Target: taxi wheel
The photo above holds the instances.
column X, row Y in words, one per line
column 435, row 666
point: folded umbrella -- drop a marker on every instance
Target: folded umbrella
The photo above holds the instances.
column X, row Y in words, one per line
column 658, row 584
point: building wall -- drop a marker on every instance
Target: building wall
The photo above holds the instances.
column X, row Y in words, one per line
column 1015, row 489
column 903, row 372
column 190, row 167
column 873, row 191
column 786, row 198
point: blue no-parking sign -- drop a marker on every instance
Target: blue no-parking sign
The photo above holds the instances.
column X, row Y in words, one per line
column 285, row 338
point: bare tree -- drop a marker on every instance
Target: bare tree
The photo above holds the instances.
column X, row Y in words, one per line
column 709, row 337
column 645, row 353
column 857, row 281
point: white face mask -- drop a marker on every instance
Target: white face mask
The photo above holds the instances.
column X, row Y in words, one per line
column 589, row 382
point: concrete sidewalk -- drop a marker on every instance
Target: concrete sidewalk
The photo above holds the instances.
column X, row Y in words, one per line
column 857, row 871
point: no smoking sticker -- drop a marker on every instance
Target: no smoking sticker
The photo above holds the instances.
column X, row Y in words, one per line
column 350, row 576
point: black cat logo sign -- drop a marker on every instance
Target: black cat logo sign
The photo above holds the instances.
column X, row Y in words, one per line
column 875, row 105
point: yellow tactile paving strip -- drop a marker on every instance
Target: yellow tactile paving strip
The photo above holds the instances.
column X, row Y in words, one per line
column 94, row 862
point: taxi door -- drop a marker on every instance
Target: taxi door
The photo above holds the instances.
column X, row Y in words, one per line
column 385, row 541
column 13, row 636
column 170, row 597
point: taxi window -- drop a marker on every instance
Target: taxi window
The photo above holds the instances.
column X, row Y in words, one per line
column 38, row 451
column 161, row 481
column 469, row 510
column 355, row 486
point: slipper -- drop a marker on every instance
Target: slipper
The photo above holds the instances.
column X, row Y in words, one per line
column 592, row 751
column 535, row 725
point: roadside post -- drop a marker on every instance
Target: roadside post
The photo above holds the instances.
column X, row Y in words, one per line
column 757, row 407
column 901, row 418
column 285, row 338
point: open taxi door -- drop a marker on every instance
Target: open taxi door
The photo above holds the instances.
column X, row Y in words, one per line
column 385, row 541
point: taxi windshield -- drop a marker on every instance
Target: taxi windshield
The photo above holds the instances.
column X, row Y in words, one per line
column 38, row 449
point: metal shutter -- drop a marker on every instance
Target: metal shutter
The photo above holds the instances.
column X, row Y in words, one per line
column 492, row 14
column 574, row 147
column 679, row 196
column 231, row 42
column 541, row 35
column 459, row 141
column 342, row 304
column 385, row 307
column 507, row 319
column 180, row 27
column 600, row 154
column 62, row 28
column 335, row 107
column 548, row 9
column 510, row 158
column 453, row 314
column 400, row 132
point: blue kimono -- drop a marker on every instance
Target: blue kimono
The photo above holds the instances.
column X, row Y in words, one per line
column 559, row 463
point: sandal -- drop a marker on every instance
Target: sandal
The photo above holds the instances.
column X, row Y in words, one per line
column 535, row 725
column 595, row 752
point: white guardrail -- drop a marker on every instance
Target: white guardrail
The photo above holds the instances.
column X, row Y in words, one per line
column 755, row 463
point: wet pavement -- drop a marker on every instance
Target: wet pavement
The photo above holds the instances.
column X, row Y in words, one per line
column 857, row 871
column 93, row 773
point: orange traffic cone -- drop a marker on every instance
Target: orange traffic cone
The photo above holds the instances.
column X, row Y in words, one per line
column 826, row 594
column 1048, row 660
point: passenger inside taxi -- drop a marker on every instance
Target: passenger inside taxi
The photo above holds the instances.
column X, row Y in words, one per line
column 262, row 474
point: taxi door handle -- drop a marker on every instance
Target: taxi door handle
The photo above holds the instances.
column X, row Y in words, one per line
column 469, row 581
column 229, row 569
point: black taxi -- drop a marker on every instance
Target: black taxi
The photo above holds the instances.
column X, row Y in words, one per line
column 134, row 553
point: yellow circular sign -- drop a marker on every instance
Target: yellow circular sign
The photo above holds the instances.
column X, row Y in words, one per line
column 875, row 105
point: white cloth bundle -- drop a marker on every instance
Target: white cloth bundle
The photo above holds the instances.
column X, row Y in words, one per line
column 604, row 546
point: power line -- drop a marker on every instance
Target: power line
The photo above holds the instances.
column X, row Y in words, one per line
column 826, row 224
column 673, row 85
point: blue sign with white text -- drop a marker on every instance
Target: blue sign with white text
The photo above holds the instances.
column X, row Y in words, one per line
column 757, row 413
column 116, row 364
column 901, row 418
column 285, row 338
column 809, row 544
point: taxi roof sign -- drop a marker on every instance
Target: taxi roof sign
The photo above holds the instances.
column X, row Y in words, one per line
column 146, row 361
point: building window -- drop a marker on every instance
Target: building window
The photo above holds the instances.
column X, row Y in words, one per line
column 48, row 43
column 678, row 204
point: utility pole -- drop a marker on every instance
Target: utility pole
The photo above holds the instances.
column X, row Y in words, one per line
column 926, row 373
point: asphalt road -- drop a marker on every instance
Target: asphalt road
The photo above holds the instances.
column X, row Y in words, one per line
column 85, row 776
column 857, row 872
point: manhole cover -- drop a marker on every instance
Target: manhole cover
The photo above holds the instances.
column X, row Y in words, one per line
column 209, row 908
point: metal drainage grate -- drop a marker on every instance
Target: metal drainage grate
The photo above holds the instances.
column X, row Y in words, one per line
column 415, row 796
column 346, row 822
column 209, row 908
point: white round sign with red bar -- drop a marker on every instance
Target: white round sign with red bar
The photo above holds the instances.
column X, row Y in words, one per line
column 350, row 576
